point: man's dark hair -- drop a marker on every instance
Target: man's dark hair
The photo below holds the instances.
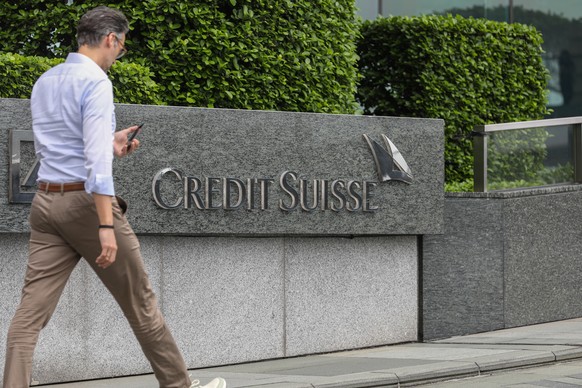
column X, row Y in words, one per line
column 99, row 22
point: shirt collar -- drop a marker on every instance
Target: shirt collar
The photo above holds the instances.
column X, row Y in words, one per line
column 79, row 58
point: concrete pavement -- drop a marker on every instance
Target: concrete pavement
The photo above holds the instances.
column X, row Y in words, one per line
column 567, row 374
column 388, row 366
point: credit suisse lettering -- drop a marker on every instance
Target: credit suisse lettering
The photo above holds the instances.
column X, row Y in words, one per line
column 255, row 193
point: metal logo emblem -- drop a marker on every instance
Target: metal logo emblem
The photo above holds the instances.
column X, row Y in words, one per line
column 22, row 159
column 390, row 163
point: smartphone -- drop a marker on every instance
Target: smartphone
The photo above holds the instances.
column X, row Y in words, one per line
column 132, row 136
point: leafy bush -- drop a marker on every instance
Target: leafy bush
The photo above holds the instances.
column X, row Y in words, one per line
column 133, row 83
column 18, row 73
column 293, row 55
column 559, row 174
column 465, row 71
column 459, row 187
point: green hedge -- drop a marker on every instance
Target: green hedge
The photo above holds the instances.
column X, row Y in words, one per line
column 133, row 83
column 465, row 71
column 293, row 55
column 18, row 74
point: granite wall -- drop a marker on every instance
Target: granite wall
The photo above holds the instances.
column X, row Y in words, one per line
column 266, row 278
column 258, row 150
column 229, row 300
column 506, row 259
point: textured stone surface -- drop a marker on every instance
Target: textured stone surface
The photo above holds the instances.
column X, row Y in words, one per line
column 463, row 270
column 222, row 143
column 224, row 298
column 520, row 193
column 230, row 300
column 347, row 293
column 543, row 263
column 505, row 260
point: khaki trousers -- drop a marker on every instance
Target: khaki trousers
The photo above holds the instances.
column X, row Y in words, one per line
column 64, row 228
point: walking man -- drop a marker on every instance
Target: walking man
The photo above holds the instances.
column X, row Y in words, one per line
column 75, row 213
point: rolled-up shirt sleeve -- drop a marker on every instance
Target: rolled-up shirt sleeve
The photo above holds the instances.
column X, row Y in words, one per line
column 98, row 127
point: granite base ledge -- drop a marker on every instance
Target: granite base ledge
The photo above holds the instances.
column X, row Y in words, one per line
column 517, row 362
column 369, row 379
column 568, row 354
column 439, row 371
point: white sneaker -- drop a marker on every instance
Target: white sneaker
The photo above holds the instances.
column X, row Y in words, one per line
column 216, row 383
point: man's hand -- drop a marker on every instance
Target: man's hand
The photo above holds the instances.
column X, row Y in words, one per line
column 106, row 235
column 108, row 248
column 120, row 146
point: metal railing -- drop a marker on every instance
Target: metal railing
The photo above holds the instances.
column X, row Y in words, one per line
column 480, row 145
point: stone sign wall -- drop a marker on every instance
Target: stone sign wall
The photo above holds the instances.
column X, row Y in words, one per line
column 233, row 172
column 265, row 234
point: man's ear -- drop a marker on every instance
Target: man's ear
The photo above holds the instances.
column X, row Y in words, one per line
column 110, row 40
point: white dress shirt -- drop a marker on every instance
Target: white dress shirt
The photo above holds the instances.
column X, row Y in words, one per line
column 73, row 120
